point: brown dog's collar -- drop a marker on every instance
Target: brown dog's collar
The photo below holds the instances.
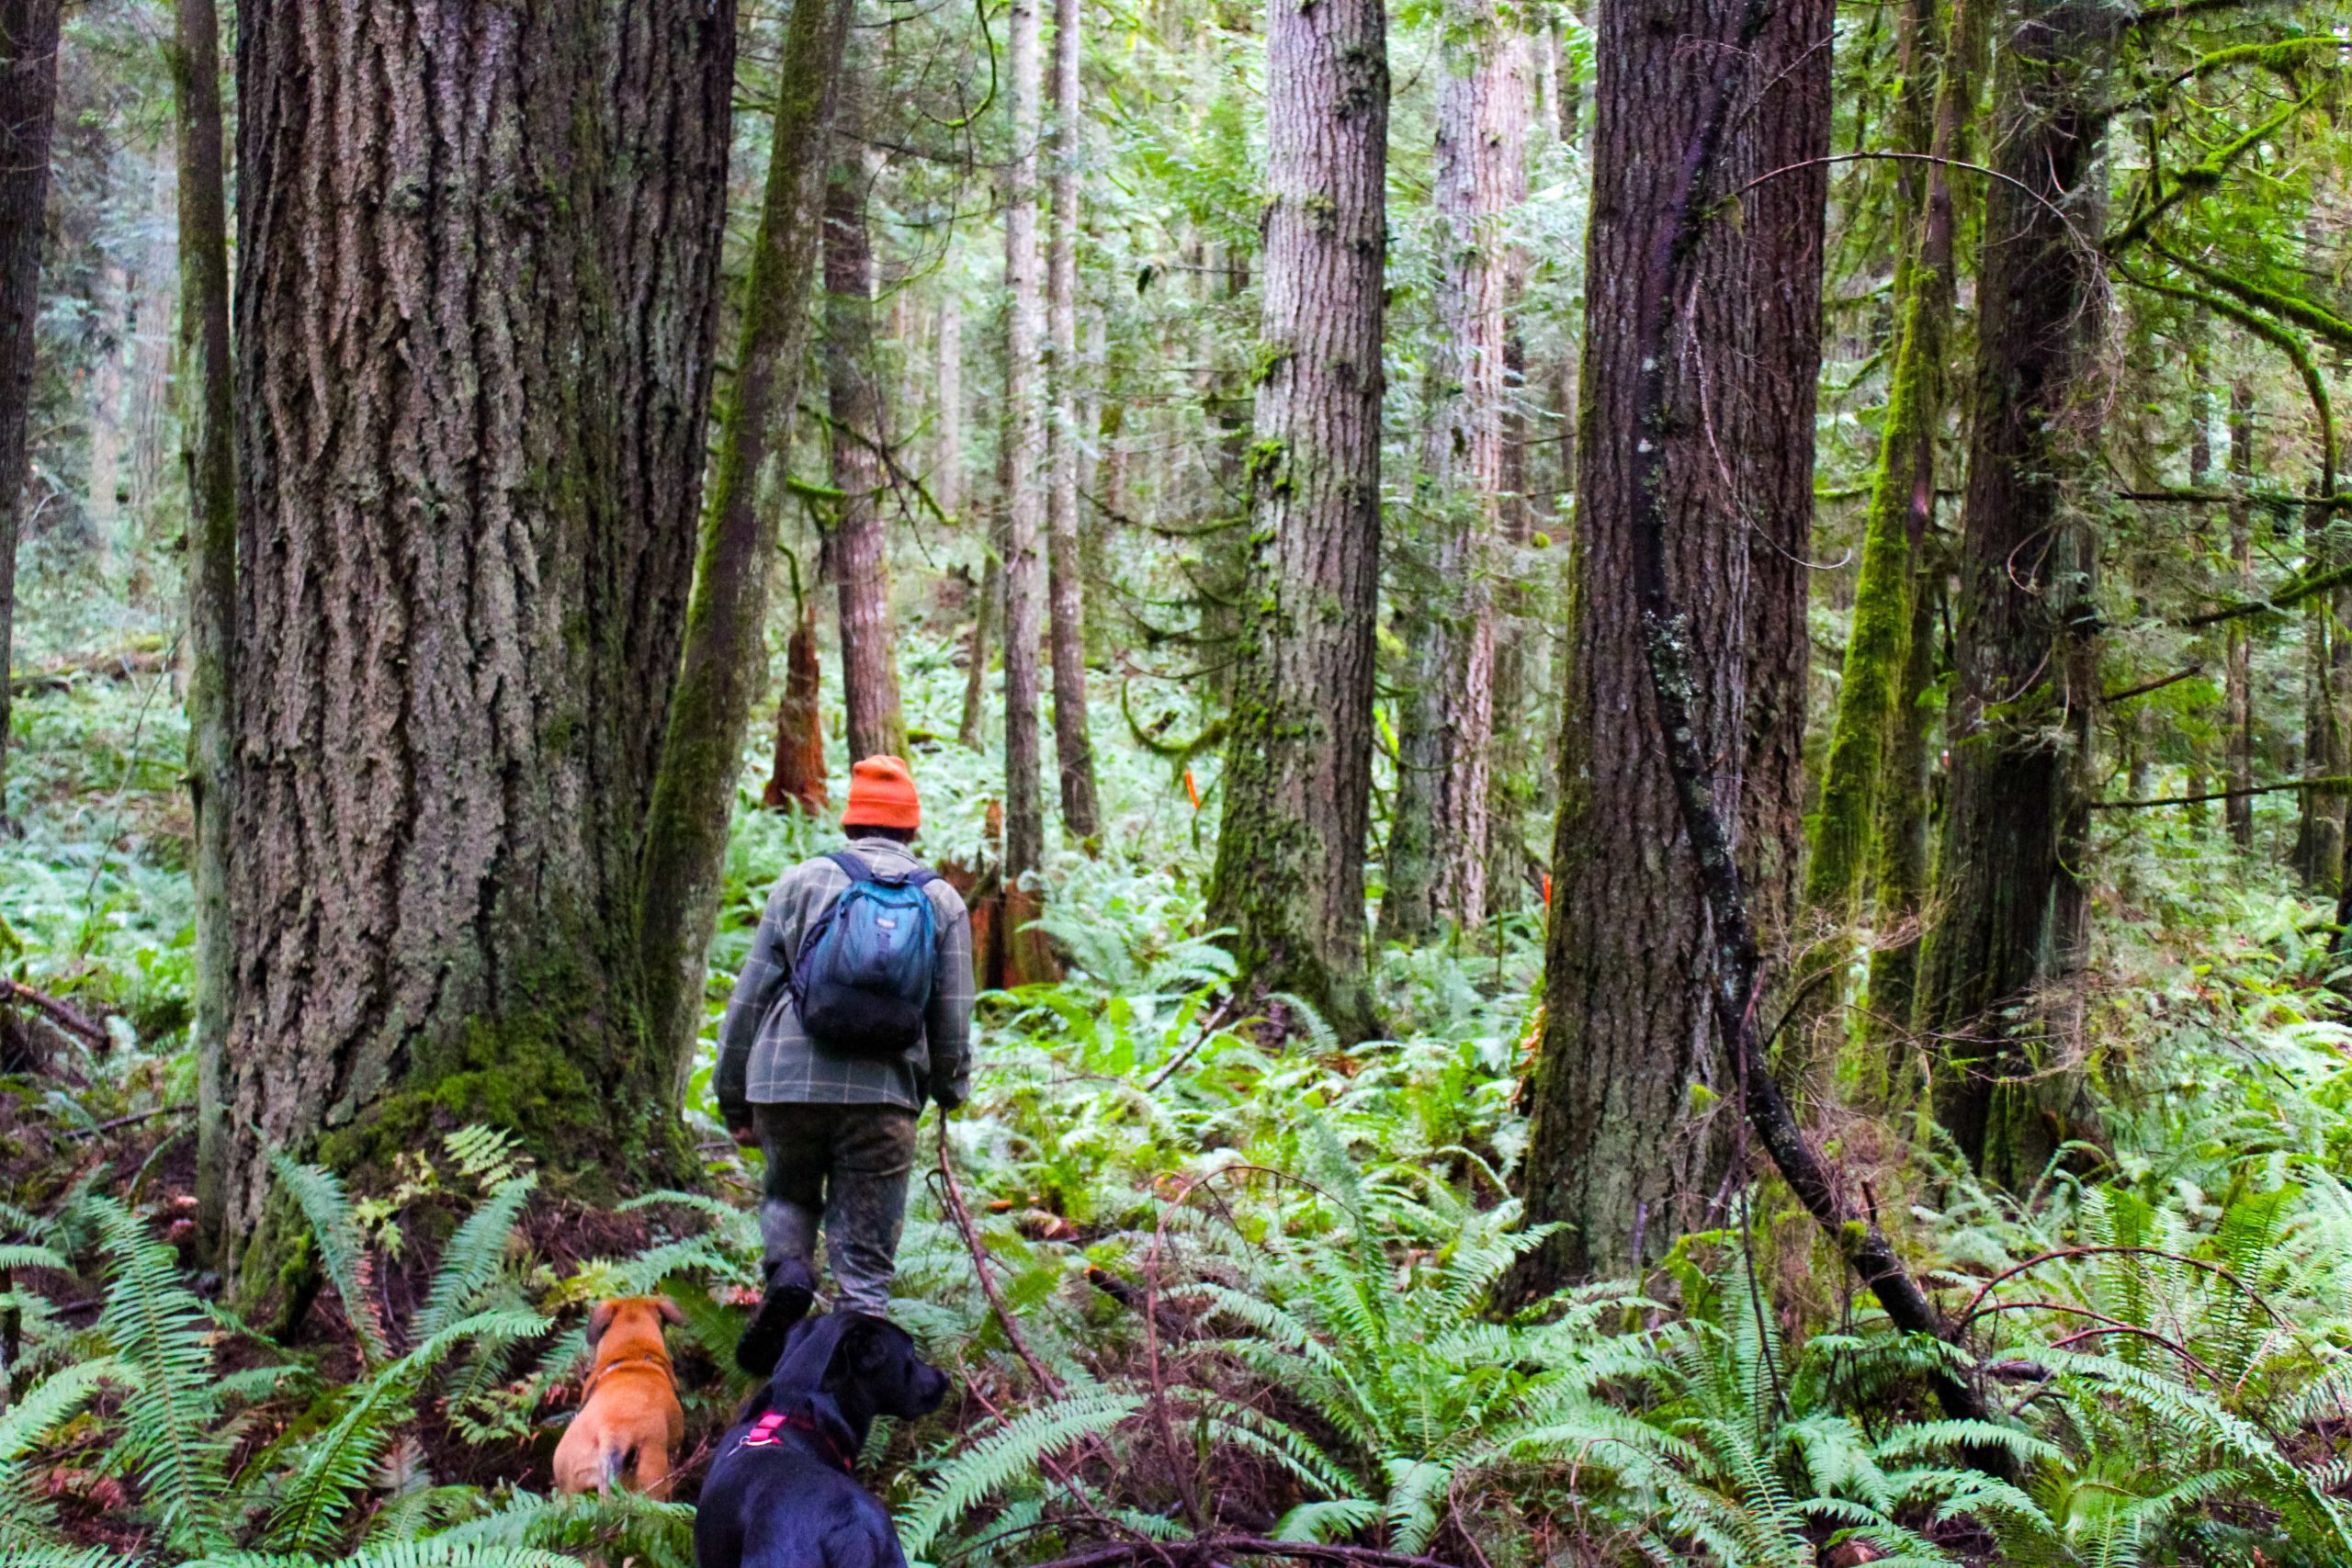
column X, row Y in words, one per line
column 650, row 1359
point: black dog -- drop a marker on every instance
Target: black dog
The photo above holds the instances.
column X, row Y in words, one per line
column 783, row 1492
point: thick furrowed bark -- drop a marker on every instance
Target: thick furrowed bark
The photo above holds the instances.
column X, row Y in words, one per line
column 474, row 361
column 207, row 438
column 1615, row 1153
column 1297, row 786
column 1024, row 413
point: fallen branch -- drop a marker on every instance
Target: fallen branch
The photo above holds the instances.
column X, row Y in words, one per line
column 951, row 1196
column 2331, row 782
column 59, row 1013
column 132, row 1120
column 1208, row 1548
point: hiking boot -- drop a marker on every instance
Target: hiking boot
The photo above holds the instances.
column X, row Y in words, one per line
column 792, row 1289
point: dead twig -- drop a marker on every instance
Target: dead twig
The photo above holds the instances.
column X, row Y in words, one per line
column 952, row 1197
column 59, row 1013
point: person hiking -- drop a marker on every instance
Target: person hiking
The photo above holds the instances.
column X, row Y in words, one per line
column 853, row 1007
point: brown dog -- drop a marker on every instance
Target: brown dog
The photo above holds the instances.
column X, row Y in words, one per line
column 630, row 1419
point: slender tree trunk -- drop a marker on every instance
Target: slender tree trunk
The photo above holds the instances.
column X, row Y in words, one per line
column 1297, row 785
column 2004, row 923
column 725, row 657
column 1632, row 965
column 1437, row 844
column 105, row 486
column 947, row 477
column 854, row 393
column 2238, row 678
column 989, row 606
column 1025, row 410
column 797, row 774
column 1073, row 747
column 28, row 112
column 207, row 438
column 474, row 360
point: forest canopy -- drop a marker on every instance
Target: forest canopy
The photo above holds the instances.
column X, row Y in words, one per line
column 1641, row 709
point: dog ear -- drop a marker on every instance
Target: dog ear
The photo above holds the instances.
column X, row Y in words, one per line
column 669, row 1311
column 599, row 1321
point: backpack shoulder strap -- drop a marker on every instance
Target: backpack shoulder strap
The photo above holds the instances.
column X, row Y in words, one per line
column 853, row 865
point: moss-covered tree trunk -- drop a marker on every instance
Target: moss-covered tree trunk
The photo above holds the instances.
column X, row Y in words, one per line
column 2238, row 677
column 724, row 664
column 875, row 722
column 1065, row 617
column 2006, row 908
column 474, row 358
column 1872, row 680
column 1900, row 865
column 208, row 439
column 27, row 113
column 1024, row 416
column 1437, row 841
column 1297, row 785
column 1615, row 1153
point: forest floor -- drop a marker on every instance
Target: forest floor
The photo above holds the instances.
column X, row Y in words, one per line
column 1237, row 1283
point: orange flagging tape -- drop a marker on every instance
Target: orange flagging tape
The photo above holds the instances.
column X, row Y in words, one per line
column 1191, row 789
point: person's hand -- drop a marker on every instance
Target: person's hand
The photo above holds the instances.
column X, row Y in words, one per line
column 740, row 1129
column 949, row 1104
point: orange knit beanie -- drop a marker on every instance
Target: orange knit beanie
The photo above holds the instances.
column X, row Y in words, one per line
column 882, row 794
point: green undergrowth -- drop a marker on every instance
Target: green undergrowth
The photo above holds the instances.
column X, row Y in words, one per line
column 1252, row 1267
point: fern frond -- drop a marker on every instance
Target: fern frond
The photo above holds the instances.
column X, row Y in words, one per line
column 343, row 1251
column 1005, row 1457
column 160, row 1330
column 474, row 1256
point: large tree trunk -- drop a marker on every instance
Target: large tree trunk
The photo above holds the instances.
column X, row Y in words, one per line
column 853, row 393
column 796, row 776
column 1025, row 811
column 2238, row 679
column 2007, row 907
column 1437, row 844
column 1630, row 961
column 1297, row 786
column 28, row 112
column 209, row 440
column 474, row 357
column 724, row 663
column 1073, row 745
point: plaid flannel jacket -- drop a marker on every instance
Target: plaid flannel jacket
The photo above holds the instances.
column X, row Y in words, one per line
column 764, row 1058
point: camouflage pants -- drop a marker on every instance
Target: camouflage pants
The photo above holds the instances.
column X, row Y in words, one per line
column 844, row 1166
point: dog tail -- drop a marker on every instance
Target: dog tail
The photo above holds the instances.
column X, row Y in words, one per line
column 610, row 1464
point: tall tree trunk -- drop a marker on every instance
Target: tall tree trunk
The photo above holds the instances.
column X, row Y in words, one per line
column 1025, row 811
column 104, row 490
column 947, row 476
column 2238, row 678
column 854, row 393
column 1631, row 961
column 1900, row 865
column 27, row 113
column 989, row 603
column 1870, row 723
column 1297, row 785
column 207, row 437
column 1437, row 844
column 1073, row 747
column 473, row 362
column 724, row 663
column 2006, row 907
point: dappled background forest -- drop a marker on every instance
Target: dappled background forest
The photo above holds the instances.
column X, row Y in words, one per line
column 1646, row 703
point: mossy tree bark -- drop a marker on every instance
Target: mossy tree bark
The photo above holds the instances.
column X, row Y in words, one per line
column 1024, row 414
column 875, row 722
column 2238, row 677
column 1900, row 866
column 724, row 663
column 1615, row 1153
column 208, row 439
column 1297, row 785
column 1872, row 680
column 1073, row 745
column 474, row 360
column 2007, row 908
column 1437, row 842
column 27, row 117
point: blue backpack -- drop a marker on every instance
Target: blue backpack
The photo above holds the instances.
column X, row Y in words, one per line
column 862, row 978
